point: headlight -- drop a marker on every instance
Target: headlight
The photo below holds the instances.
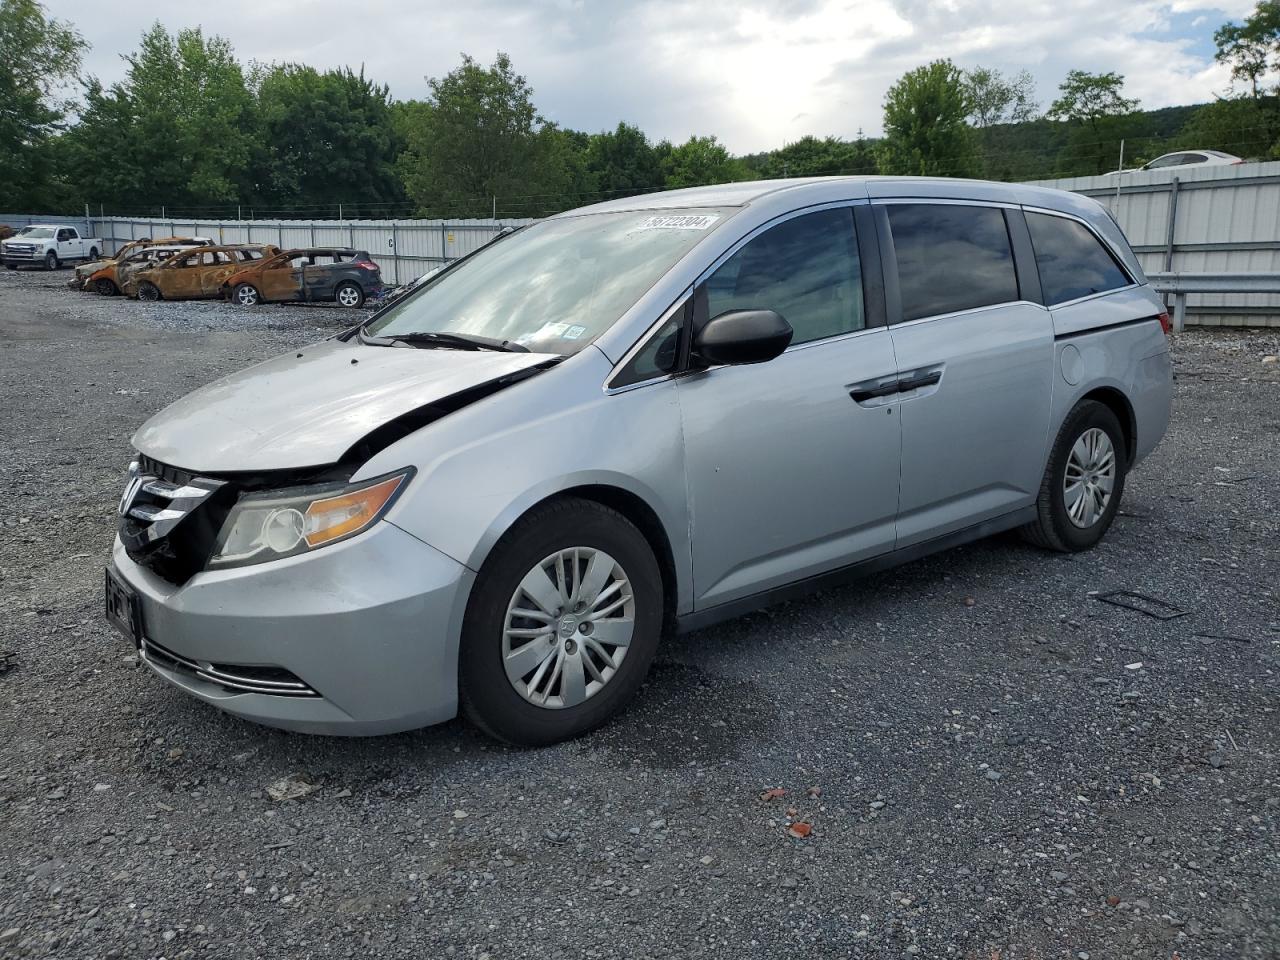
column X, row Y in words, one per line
column 283, row 523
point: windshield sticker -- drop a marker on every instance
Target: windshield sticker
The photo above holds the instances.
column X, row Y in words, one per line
column 699, row 221
column 565, row 331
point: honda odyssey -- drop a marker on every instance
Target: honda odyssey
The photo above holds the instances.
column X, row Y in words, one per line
column 499, row 493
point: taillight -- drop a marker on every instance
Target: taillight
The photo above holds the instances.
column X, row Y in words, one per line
column 367, row 265
column 1165, row 323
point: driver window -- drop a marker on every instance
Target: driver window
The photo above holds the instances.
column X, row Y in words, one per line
column 806, row 269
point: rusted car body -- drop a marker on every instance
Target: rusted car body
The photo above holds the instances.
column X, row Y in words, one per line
column 307, row 274
column 112, row 277
column 80, row 279
column 197, row 274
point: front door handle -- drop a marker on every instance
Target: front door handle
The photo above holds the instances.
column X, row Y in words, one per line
column 922, row 380
column 863, row 394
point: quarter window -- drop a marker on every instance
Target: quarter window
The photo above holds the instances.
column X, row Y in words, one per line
column 806, row 269
column 1072, row 261
column 951, row 257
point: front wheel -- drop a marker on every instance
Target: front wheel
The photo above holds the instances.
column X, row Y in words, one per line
column 349, row 295
column 563, row 622
column 246, row 294
column 105, row 287
column 149, row 292
column 51, row 261
column 11, row 266
column 1083, row 482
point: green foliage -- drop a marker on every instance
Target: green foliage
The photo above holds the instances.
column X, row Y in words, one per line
column 39, row 58
column 995, row 98
column 1099, row 116
column 622, row 162
column 813, row 157
column 178, row 127
column 925, row 133
column 475, row 138
column 1247, row 126
column 324, row 139
column 698, row 161
column 1249, row 47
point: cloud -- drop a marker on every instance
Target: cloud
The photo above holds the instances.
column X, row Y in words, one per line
column 755, row 74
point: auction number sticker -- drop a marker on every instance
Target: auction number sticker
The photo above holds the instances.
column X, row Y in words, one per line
column 700, row 221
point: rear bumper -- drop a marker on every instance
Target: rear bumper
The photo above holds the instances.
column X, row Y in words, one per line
column 369, row 627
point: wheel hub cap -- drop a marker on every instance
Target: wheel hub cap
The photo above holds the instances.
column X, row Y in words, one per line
column 568, row 627
column 1090, row 477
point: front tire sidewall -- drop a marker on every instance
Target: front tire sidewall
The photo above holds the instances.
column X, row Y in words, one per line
column 51, row 261
column 149, row 293
column 1085, row 417
column 488, row 698
column 247, row 290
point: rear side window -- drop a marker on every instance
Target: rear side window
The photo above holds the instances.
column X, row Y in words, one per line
column 806, row 269
column 1072, row 261
column 951, row 257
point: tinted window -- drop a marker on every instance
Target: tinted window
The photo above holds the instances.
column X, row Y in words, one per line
column 806, row 269
column 951, row 257
column 1072, row 261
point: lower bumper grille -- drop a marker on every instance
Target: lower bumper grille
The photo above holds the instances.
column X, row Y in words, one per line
column 275, row 681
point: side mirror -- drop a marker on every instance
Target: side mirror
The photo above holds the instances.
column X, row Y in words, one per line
column 743, row 336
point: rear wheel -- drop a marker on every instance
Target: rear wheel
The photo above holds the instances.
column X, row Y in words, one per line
column 51, row 261
column 246, row 294
column 148, row 291
column 562, row 624
column 1083, row 482
column 349, row 295
column 93, row 253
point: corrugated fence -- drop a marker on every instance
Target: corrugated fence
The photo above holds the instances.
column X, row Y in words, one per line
column 404, row 248
column 1199, row 220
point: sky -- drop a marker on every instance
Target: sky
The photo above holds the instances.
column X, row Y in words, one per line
column 757, row 75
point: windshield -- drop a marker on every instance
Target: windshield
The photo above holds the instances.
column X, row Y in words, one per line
column 555, row 286
column 38, row 233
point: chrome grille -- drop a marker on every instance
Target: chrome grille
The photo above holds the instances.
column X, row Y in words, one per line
column 275, row 681
column 157, row 504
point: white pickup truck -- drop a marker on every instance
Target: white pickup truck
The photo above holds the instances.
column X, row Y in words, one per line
column 48, row 245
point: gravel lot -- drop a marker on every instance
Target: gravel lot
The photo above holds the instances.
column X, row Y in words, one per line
column 994, row 763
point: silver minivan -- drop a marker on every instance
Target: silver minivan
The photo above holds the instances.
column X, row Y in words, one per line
column 499, row 493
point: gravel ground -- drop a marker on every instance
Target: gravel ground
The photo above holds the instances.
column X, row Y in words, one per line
column 993, row 763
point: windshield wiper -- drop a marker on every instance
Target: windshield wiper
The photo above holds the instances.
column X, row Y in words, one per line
column 458, row 341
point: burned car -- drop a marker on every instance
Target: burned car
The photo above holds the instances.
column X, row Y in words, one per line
column 307, row 275
column 111, row 278
column 196, row 275
column 85, row 271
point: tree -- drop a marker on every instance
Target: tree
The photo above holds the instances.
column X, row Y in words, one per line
column 622, row 162
column 1246, row 126
column 325, row 138
column 474, row 139
column 179, row 129
column 925, row 133
column 812, row 157
column 698, row 161
column 1248, row 47
column 39, row 59
column 1095, row 107
column 995, row 98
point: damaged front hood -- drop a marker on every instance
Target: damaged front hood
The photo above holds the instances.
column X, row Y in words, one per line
column 307, row 409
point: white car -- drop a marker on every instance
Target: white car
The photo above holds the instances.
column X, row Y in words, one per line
column 1186, row 158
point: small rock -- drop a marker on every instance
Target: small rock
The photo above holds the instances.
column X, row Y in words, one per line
column 993, row 775
column 101, row 787
column 658, row 824
column 175, row 753
column 1058, row 875
column 10, row 933
column 877, row 804
column 293, row 787
column 706, row 861
column 460, row 814
column 789, row 883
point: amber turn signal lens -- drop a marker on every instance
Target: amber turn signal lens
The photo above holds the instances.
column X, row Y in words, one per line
column 340, row 516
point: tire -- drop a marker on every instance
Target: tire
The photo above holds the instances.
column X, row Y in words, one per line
column 105, row 287
column 246, row 295
column 93, row 253
column 51, row 260
column 349, row 295
column 587, row 533
column 11, row 266
column 148, row 291
column 1055, row 527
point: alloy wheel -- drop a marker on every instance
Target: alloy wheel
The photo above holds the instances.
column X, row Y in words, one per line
column 349, row 296
column 568, row 627
column 1090, row 477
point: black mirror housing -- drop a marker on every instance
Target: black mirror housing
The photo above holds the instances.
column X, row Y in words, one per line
column 743, row 336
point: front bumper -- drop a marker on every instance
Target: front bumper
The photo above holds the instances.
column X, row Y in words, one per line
column 371, row 625
column 23, row 259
